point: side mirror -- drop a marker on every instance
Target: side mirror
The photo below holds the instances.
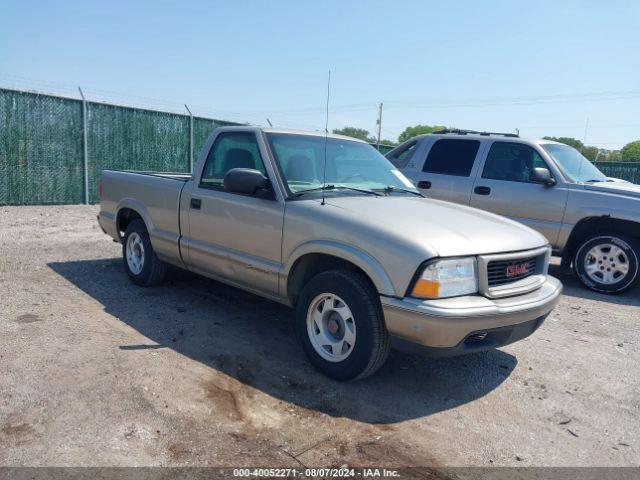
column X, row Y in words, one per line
column 542, row 176
column 248, row 182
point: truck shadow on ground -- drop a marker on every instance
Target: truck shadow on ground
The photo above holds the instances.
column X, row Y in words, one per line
column 573, row 288
column 253, row 340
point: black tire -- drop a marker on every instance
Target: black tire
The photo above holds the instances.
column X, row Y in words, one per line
column 153, row 270
column 628, row 245
column 371, row 345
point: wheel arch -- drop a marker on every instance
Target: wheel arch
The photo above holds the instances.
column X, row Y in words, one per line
column 597, row 224
column 129, row 210
column 315, row 257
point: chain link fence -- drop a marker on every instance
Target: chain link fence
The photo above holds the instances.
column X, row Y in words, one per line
column 629, row 171
column 42, row 148
column 41, row 158
column 127, row 139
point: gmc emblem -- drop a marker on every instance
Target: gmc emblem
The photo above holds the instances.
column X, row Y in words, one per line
column 517, row 269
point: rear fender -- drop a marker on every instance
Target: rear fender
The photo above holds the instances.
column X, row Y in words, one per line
column 165, row 243
column 137, row 206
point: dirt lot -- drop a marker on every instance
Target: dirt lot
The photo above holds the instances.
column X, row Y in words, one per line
column 96, row 371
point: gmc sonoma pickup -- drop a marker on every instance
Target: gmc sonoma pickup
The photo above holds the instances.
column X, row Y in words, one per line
column 363, row 257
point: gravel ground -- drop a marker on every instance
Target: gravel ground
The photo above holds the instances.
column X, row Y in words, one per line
column 96, row 371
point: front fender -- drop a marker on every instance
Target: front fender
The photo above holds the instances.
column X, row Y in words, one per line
column 352, row 254
column 605, row 211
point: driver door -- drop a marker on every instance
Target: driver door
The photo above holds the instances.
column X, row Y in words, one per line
column 232, row 236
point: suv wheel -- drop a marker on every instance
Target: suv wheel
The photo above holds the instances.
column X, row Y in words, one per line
column 340, row 324
column 607, row 263
column 140, row 261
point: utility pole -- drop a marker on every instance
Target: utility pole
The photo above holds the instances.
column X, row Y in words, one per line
column 379, row 124
column 190, row 138
column 586, row 128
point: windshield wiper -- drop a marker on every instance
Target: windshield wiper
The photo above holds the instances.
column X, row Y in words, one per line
column 390, row 189
column 337, row 187
column 597, row 181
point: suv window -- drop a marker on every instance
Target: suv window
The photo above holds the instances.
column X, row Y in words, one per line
column 452, row 157
column 230, row 150
column 401, row 159
column 512, row 162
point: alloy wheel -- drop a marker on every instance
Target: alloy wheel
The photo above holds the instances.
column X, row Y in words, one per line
column 606, row 263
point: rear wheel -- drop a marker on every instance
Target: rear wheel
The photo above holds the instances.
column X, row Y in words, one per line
column 607, row 263
column 140, row 261
column 340, row 325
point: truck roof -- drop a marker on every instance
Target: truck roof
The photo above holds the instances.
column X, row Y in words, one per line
column 289, row 131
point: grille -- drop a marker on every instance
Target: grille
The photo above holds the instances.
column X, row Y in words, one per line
column 500, row 272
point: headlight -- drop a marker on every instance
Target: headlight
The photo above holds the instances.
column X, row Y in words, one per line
column 447, row 278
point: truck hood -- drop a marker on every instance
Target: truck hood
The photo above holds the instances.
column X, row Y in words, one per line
column 618, row 188
column 443, row 228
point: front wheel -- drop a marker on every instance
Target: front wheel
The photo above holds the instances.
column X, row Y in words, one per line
column 340, row 325
column 607, row 263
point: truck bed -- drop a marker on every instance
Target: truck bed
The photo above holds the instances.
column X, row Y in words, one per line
column 156, row 196
column 183, row 177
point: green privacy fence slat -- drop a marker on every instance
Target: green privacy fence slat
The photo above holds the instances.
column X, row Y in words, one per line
column 40, row 149
column 41, row 154
column 130, row 139
column 629, row 171
column 202, row 128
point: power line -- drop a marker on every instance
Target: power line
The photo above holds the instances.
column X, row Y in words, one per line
column 136, row 101
column 546, row 127
column 394, row 104
column 284, row 116
column 469, row 102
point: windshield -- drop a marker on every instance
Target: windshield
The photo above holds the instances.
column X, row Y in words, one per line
column 573, row 164
column 349, row 164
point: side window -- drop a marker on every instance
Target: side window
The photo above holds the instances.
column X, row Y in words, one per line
column 401, row 159
column 230, row 150
column 512, row 162
column 452, row 157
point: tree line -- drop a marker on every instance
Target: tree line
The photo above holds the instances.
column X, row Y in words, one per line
column 629, row 153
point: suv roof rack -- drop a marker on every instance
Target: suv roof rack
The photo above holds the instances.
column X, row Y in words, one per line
column 473, row 132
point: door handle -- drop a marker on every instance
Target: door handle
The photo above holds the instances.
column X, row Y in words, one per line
column 196, row 203
column 482, row 190
column 426, row 184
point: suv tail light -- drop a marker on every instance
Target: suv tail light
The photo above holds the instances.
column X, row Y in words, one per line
column 100, row 188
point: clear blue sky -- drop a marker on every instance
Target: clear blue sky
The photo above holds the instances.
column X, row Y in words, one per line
column 429, row 62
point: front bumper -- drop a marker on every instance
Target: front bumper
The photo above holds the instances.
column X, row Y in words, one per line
column 454, row 326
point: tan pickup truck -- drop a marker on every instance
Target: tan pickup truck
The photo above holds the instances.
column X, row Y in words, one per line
column 328, row 226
